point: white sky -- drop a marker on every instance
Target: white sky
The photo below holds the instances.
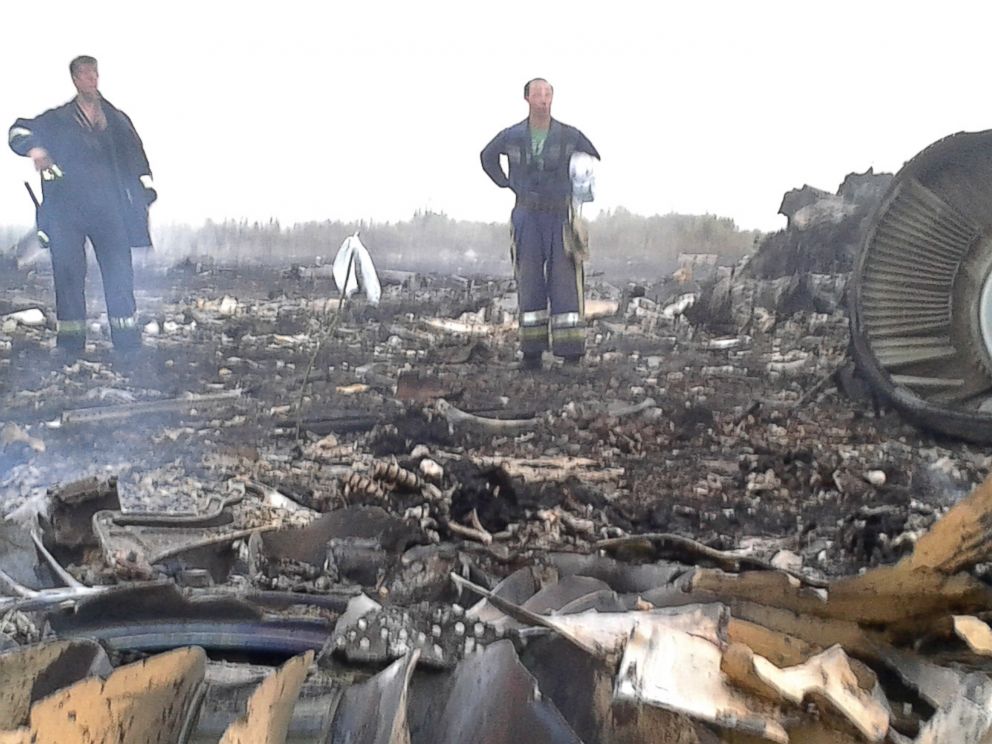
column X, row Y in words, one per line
column 330, row 110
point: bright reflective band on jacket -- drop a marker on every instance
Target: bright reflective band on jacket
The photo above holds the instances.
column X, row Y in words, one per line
column 18, row 137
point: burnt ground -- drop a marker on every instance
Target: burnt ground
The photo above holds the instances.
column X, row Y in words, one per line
column 747, row 444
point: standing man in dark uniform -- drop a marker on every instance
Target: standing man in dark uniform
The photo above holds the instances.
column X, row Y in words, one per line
column 96, row 184
column 549, row 281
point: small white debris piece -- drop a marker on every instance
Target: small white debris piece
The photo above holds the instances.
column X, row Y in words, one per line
column 32, row 317
column 111, row 394
column 460, row 327
column 361, row 273
column 975, row 633
column 722, row 344
column 723, row 370
column 876, row 477
column 279, row 339
column 228, row 306
column 787, row 560
column 152, row 329
column 792, row 368
column 353, row 389
column 282, row 502
column 431, row 469
column 679, row 306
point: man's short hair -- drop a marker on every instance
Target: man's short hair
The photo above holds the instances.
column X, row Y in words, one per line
column 536, row 80
column 82, row 59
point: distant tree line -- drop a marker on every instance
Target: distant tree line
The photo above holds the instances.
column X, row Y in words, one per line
column 623, row 244
column 629, row 245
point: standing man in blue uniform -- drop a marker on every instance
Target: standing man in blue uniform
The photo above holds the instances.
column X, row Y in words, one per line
column 549, row 281
column 96, row 184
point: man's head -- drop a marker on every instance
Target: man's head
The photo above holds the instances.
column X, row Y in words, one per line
column 538, row 94
column 85, row 75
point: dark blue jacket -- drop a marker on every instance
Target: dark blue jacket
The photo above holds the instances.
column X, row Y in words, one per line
column 97, row 167
column 544, row 178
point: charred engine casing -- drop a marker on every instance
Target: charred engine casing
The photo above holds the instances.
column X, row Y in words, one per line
column 921, row 291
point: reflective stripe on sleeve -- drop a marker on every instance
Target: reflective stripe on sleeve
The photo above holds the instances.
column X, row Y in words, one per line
column 17, row 133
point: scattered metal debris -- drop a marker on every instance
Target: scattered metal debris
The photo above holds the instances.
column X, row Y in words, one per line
column 689, row 537
column 189, row 403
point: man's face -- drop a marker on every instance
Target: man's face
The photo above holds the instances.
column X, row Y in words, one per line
column 539, row 98
column 86, row 79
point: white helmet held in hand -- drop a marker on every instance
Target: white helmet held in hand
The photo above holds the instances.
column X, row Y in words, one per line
column 582, row 171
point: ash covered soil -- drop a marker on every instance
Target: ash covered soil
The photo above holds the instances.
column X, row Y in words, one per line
column 736, row 437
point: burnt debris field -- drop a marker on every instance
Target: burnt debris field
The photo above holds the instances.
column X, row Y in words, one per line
column 293, row 517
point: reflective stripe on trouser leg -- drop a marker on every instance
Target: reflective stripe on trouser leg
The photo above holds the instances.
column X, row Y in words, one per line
column 71, row 326
column 71, row 334
column 108, row 234
column 568, row 334
column 120, row 324
column 532, row 296
column 124, row 332
column 67, row 243
column 566, row 294
column 534, row 331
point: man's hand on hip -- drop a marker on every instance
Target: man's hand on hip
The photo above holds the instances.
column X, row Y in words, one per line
column 40, row 157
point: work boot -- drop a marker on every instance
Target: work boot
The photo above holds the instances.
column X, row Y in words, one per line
column 70, row 344
column 126, row 339
column 531, row 361
column 64, row 357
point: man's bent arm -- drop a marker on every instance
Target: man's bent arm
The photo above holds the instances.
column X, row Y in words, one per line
column 584, row 145
column 23, row 138
column 490, row 160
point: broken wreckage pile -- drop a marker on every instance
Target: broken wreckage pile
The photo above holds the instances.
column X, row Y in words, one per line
column 643, row 638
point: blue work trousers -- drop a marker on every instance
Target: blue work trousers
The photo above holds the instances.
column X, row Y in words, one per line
column 68, row 228
column 549, row 284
